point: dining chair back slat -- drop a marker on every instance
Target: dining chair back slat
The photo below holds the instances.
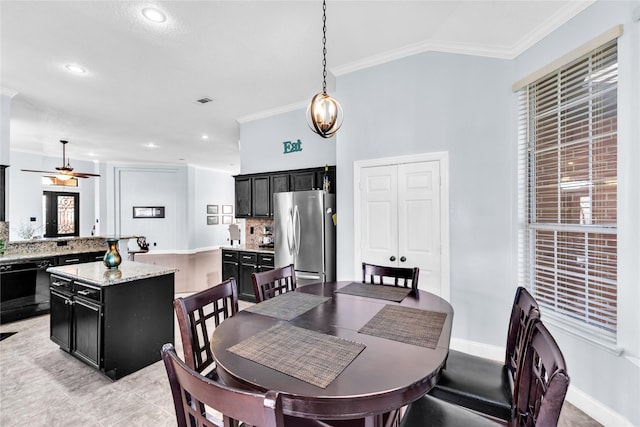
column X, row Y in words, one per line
column 193, row 394
column 271, row 283
column 393, row 276
column 197, row 315
column 541, row 387
column 484, row 385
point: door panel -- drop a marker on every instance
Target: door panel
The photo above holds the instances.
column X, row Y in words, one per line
column 419, row 207
column 379, row 219
column 400, row 208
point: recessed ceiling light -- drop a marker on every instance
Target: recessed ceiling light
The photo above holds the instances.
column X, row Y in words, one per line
column 151, row 145
column 205, row 136
column 74, row 68
column 153, row 15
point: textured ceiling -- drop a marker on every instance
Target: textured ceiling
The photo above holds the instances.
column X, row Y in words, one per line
column 251, row 57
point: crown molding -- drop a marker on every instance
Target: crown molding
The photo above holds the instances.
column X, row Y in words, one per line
column 273, row 112
column 570, row 10
column 8, row 92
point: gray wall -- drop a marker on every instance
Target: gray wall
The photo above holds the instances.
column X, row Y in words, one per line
column 442, row 102
column 464, row 105
column 262, row 149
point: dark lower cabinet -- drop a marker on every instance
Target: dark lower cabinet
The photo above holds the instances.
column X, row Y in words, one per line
column 265, row 262
column 241, row 265
column 248, row 266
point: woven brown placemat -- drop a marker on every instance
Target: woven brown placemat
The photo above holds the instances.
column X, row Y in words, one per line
column 303, row 354
column 407, row 325
column 385, row 292
column 288, row 305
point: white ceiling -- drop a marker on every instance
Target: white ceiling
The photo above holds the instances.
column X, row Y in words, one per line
column 251, row 57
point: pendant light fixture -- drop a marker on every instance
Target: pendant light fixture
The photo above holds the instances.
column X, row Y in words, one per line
column 324, row 113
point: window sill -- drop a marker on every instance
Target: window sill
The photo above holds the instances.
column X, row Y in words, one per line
column 581, row 332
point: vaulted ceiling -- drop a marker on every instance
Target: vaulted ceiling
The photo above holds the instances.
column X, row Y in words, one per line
column 143, row 79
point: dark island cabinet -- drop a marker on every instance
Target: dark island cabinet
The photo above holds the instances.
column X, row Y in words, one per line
column 117, row 329
column 254, row 192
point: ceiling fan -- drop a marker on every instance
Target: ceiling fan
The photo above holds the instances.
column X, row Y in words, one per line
column 64, row 172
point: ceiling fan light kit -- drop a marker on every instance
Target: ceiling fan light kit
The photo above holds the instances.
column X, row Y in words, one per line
column 324, row 113
column 64, row 172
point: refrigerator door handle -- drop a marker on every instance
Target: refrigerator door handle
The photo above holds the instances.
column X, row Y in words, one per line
column 296, row 216
column 290, row 243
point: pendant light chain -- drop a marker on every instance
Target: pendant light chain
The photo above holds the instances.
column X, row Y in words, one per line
column 324, row 114
column 324, row 46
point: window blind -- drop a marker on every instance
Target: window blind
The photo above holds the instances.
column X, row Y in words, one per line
column 568, row 189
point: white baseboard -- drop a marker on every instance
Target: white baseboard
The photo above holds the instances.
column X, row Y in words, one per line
column 581, row 400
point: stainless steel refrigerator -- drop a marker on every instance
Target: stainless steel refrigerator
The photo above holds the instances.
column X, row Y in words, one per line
column 305, row 234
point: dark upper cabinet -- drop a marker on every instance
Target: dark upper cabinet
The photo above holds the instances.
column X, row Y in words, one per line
column 279, row 183
column 243, row 197
column 261, row 197
column 254, row 193
column 303, row 180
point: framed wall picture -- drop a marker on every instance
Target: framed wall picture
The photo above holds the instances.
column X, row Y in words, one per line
column 148, row 211
column 227, row 219
column 212, row 209
column 227, row 209
column 212, row 219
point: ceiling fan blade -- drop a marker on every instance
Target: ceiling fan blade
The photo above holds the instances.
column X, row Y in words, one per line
column 83, row 174
column 31, row 170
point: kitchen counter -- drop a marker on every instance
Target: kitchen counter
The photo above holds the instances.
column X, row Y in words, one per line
column 96, row 273
column 245, row 248
column 42, row 248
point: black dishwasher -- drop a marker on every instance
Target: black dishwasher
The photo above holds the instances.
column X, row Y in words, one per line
column 24, row 289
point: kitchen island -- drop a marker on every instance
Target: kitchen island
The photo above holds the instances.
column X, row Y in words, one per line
column 115, row 320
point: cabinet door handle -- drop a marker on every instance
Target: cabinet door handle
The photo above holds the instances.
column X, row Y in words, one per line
column 403, row 259
column 84, row 293
column 72, row 260
column 392, row 258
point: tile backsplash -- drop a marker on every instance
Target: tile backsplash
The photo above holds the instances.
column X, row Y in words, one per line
column 261, row 228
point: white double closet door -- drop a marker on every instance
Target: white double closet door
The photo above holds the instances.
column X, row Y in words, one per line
column 400, row 206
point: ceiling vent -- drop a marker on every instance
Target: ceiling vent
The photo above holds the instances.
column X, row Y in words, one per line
column 204, row 100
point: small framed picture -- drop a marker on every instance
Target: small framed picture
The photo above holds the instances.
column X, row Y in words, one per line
column 212, row 220
column 212, row 209
column 227, row 209
column 148, row 211
column 227, row 219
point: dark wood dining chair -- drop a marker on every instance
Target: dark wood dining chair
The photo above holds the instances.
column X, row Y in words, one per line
column 268, row 284
column 485, row 385
column 193, row 393
column 196, row 313
column 542, row 382
column 394, row 276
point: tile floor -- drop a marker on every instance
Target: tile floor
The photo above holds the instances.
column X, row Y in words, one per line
column 40, row 385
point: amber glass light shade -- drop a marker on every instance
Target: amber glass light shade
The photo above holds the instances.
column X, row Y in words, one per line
column 324, row 115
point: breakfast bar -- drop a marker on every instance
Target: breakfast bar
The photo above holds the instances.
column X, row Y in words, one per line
column 115, row 320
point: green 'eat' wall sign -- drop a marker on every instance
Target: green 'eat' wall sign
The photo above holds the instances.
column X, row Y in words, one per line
column 292, row 147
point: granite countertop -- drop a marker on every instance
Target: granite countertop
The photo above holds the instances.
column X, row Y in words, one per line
column 245, row 248
column 96, row 273
column 24, row 250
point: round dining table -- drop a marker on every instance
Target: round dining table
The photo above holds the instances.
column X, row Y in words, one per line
column 384, row 377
